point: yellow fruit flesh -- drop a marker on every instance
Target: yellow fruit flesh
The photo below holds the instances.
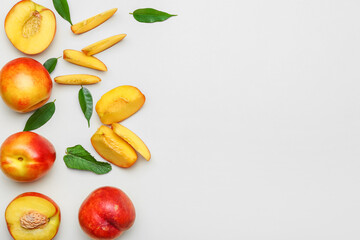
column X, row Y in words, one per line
column 30, row 27
column 112, row 148
column 79, row 58
column 132, row 139
column 102, row 45
column 23, row 205
column 119, row 104
column 92, row 22
column 77, row 79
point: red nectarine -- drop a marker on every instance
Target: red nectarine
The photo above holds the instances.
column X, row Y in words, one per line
column 26, row 156
column 106, row 213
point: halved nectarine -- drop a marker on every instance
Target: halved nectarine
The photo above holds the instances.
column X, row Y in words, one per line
column 119, row 104
column 32, row 216
column 113, row 148
column 30, row 27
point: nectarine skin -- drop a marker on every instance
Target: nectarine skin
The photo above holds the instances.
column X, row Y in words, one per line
column 26, row 156
column 106, row 213
column 25, row 84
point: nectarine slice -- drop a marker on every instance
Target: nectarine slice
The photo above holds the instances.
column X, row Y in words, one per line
column 132, row 139
column 77, row 79
column 113, row 148
column 30, row 27
column 32, row 216
column 79, row 58
column 102, row 45
column 92, row 22
column 119, row 104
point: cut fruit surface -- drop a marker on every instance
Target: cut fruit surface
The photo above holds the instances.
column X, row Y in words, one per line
column 77, row 79
column 32, row 216
column 79, row 58
column 30, row 27
column 103, row 44
column 113, row 148
column 119, row 104
column 132, row 139
column 92, row 22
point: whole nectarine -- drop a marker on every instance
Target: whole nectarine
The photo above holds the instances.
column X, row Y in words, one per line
column 25, row 84
column 106, row 213
column 26, row 156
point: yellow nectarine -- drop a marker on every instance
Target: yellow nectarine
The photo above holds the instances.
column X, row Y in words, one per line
column 25, row 84
column 102, row 45
column 132, row 139
column 32, row 216
column 113, row 148
column 92, row 22
column 30, row 27
column 81, row 59
column 119, row 104
column 77, row 79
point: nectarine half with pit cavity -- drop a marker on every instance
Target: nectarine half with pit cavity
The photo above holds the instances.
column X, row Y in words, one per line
column 32, row 216
column 106, row 213
column 30, row 27
column 25, row 84
column 26, row 156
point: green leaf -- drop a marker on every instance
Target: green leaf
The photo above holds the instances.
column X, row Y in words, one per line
column 62, row 7
column 78, row 158
column 50, row 64
column 86, row 103
column 40, row 117
column 150, row 15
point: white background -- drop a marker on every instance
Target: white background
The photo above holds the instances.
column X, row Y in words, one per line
column 252, row 117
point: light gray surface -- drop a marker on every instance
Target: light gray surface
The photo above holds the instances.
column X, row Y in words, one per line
column 252, row 117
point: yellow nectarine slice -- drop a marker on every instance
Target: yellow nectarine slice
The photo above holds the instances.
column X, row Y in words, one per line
column 132, row 139
column 113, row 148
column 79, row 58
column 103, row 44
column 119, row 104
column 92, row 22
column 32, row 216
column 77, row 79
column 30, row 27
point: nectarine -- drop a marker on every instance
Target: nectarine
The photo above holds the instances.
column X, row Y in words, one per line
column 113, row 148
column 30, row 27
column 106, row 213
column 81, row 59
column 119, row 104
column 25, row 84
column 77, row 79
column 26, row 156
column 132, row 139
column 32, row 216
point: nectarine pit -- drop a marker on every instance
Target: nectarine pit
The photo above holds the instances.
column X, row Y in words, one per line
column 32, row 25
column 33, row 220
